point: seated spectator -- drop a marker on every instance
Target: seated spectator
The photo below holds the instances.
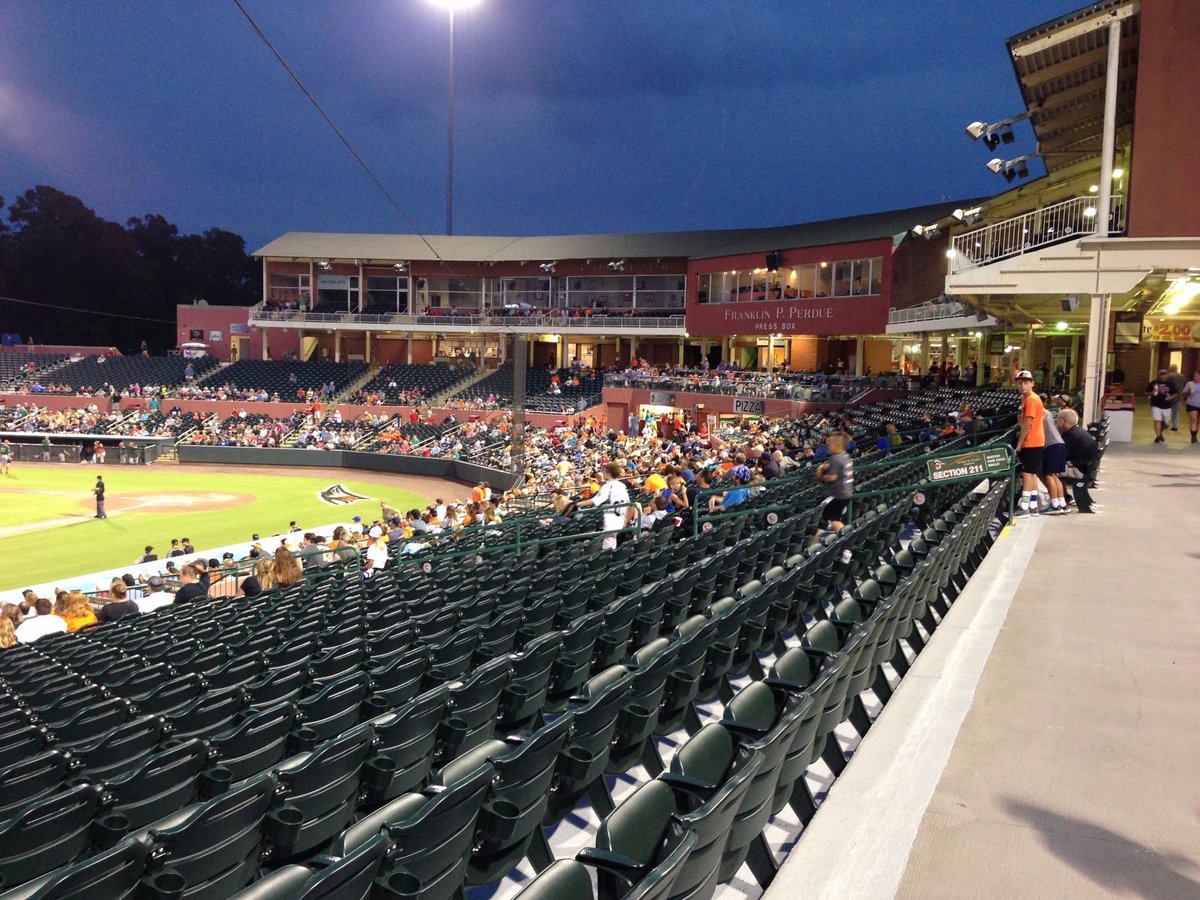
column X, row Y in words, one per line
column 44, row 622
column 13, row 613
column 8, row 634
column 739, row 494
column 191, row 589
column 1081, row 455
column 155, row 597
column 286, row 568
column 77, row 611
column 119, row 606
column 376, row 555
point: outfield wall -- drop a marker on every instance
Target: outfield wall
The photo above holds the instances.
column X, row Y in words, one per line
column 453, row 469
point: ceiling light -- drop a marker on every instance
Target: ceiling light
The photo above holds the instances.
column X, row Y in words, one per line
column 1092, row 189
column 1090, row 212
column 1061, row 326
column 1118, row 174
column 951, row 253
column 1171, row 308
column 399, row 268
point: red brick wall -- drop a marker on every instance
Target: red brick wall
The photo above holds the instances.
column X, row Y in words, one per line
column 1164, row 176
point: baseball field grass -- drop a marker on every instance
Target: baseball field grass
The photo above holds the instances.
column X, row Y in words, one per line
column 47, row 529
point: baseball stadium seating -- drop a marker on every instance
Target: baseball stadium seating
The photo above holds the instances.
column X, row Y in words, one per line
column 440, row 725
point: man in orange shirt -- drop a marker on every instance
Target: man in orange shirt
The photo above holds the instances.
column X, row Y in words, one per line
column 1030, row 442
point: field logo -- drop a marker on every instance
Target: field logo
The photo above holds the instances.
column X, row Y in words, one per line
column 337, row 495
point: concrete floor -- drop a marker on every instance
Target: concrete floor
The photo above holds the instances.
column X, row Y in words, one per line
column 1076, row 772
column 1044, row 743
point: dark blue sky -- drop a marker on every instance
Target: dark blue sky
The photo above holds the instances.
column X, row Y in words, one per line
column 572, row 115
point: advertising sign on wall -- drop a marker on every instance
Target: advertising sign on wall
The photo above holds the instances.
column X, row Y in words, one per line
column 1175, row 331
column 745, row 406
column 819, row 315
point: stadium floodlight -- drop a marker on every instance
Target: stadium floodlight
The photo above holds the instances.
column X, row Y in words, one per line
column 451, row 7
column 997, row 132
column 1012, row 168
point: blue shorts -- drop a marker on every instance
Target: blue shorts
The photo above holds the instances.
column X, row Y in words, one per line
column 1054, row 459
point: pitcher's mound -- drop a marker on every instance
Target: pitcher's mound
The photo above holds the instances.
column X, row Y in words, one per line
column 174, row 501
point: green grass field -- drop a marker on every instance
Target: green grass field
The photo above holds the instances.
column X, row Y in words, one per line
column 47, row 530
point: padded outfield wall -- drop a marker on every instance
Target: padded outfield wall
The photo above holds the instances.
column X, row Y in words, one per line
column 453, row 469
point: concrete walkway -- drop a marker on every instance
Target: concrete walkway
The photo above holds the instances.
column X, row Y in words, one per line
column 1075, row 772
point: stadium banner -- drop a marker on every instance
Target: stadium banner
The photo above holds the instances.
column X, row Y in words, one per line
column 817, row 315
column 979, row 462
column 744, row 406
column 1186, row 331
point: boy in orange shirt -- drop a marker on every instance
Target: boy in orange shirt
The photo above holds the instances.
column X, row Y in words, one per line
column 1030, row 442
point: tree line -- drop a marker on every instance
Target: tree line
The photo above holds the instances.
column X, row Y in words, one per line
column 58, row 253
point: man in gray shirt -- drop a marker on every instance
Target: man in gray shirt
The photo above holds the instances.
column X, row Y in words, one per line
column 837, row 476
column 1177, row 381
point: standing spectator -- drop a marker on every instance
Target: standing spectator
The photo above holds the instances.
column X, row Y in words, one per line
column 1192, row 395
column 1177, row 381
column 837, row 476
column 45, row 448
column 1030, row 442
column 613, row 493
column 1161, row 399
column 176, row 550
column 1054, row 462
column 150, row 555
column 1081, row 454
column 6, row 455
column 98, row 490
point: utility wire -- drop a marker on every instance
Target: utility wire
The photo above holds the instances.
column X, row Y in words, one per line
column 324, row 115
column 86, row 312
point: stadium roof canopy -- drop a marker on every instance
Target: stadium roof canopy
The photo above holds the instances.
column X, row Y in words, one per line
column 1060, row 67
column 306, row 245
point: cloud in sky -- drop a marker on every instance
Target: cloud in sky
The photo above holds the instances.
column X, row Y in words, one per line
column 572, row 115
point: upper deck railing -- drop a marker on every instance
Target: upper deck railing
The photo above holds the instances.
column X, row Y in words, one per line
column 1069, row 220
column 292, row 317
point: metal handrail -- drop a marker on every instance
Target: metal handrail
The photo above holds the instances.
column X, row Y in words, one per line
column 586, row 323
column 928, row 312
column 1068, row 220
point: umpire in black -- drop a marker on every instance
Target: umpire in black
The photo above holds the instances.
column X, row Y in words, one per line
column 98, row 490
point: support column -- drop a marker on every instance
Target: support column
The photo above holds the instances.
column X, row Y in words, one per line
column 945, row 351
column 1155, row 349
column 925, row 353
column 521, row 349
column 681, row 351
column 981, row 356
column 1073, row 362
column 337, row 345
column 1097, row 358
column 1027, row 349
column 409, row 343
column 860, row 351
column 368, row 349
column 1109, row 135
column 300, row 345
column 770, row 353
column 266, row 333
column 632, row 349
column 960, row 354
column 560, row 351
